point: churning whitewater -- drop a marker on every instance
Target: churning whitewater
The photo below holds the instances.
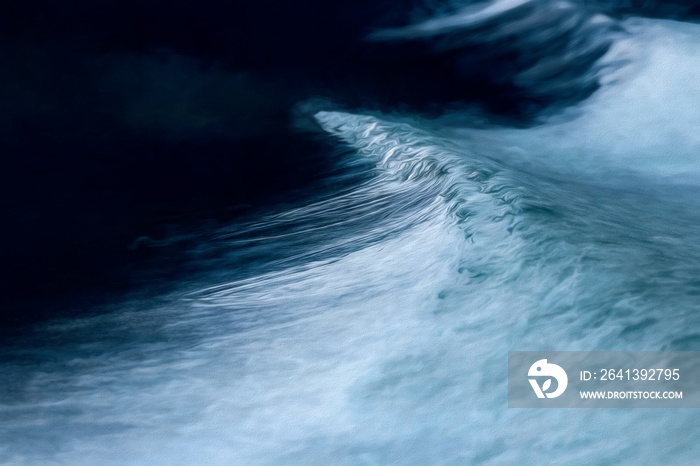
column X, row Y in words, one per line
column 375, row 328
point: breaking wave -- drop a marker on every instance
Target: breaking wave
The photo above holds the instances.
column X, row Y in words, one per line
column 375, row 324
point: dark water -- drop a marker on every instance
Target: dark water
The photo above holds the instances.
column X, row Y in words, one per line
column 310, row 233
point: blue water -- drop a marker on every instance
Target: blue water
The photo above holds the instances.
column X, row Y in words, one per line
column 374, row 324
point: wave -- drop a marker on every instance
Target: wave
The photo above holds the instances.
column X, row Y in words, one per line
column 392, row 350
column 548, row 50
column 375, row 325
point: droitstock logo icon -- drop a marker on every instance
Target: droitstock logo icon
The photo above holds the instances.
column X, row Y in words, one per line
column 545, row 372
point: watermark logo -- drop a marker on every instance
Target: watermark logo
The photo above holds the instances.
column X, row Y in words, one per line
column 544, row 371
column 603, row 379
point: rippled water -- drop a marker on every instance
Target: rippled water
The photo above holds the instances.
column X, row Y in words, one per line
column 375, row 323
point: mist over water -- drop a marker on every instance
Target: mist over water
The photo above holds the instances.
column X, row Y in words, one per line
column 369, row 322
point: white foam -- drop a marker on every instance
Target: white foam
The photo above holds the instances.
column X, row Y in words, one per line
column 395, row 352
column 644, row 120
